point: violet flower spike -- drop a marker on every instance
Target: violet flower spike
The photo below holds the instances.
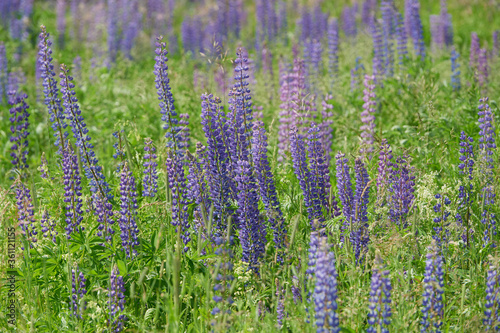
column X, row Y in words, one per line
column 432, row 304
column 50, row 90
column 78, row 291
column 19, row 119
column 116, row 301
column 73, row 192
column 48, row 227
column 128, row 225
column 379, row 315
column 150, row 180
column 26, row 214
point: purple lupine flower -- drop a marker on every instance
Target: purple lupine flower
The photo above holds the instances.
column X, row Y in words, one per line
column 280, row 308
column 384, row 164
column 295, row 104
column 198, row 189
column 437, row 41
column 388, row 17
column 169, row 115
column 48, row 226
column 333, row 49
column 26, row 213
column 368, row 12
column 378, row 53
column 223, row 277
column 93, row 170
column 319, row 172
column 44, row 167
column 465, row 194
column 128, row 212
column 131, row 28
column 349, row 21
column 316, row 51
column 116, row 301
column 218, row 161
column 491, row 314
column 442, row 234
column 78, row 291
column 455, row 70
column 446, row 25
column 72, row 192
column 379, row 315
column 240, row 109
column 417, row 30
column 267, row 187
column 357, row 74
column 344, row 186
column 150, row 180
column 19, row 119
column 402, row 40
column 184, row 137
column 486, row 148
column 482, row 68
column 306, row 180
column 15, row 79
column 401, row 187
column 61, row 22
column 252, row 231
column 3, row 73
column 50, row 89
column 432, row 304
column 325, row 290
column 367, row 117
column 359, row 224
column 177, row 184
column 474, row 51
column 496, row 44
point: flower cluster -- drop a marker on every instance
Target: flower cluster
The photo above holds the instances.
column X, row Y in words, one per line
column 455, row 70
column 48, row 226
column 442, row 234
column 333, row 49
column 432, row 304
column 169, row 115
column 252, row 230
column 150, row 180
column 344, row 187
column 119, row 147
column 116, row 301
column 177, row 184
column 128, row 225
column 72, row 191
column 367, row 117
column 78, row 291
column 384, row 165
column 19, row 119
column 325, row 290
column 26, row 213
column 359, row 225
column 465, row 193
column 3, row 73
column 401, row 39
column 492, row 312
column 379, row 315
column 356, row 74
column 223, row 276
column 50, row 90
column 401, row 188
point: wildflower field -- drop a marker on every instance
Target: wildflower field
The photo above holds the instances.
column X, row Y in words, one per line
column 249, row 166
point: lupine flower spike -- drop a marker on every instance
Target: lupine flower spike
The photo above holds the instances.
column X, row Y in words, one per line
column 150, row 180
column 491, row 319
column 19, row 119
column 73, row 191
column 128, row 224
column 48, row 226
column 116, row 301
column 379, row 308
column 432, row 304
column 78, row 291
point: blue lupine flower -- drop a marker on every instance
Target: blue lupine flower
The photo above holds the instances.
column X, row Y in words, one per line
column 379, row 315
column 72, row 192
column 150, row 180
column 432, row 304
column 19, row 119
column 116, row 301
column 492, row 314
column 128, row 212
